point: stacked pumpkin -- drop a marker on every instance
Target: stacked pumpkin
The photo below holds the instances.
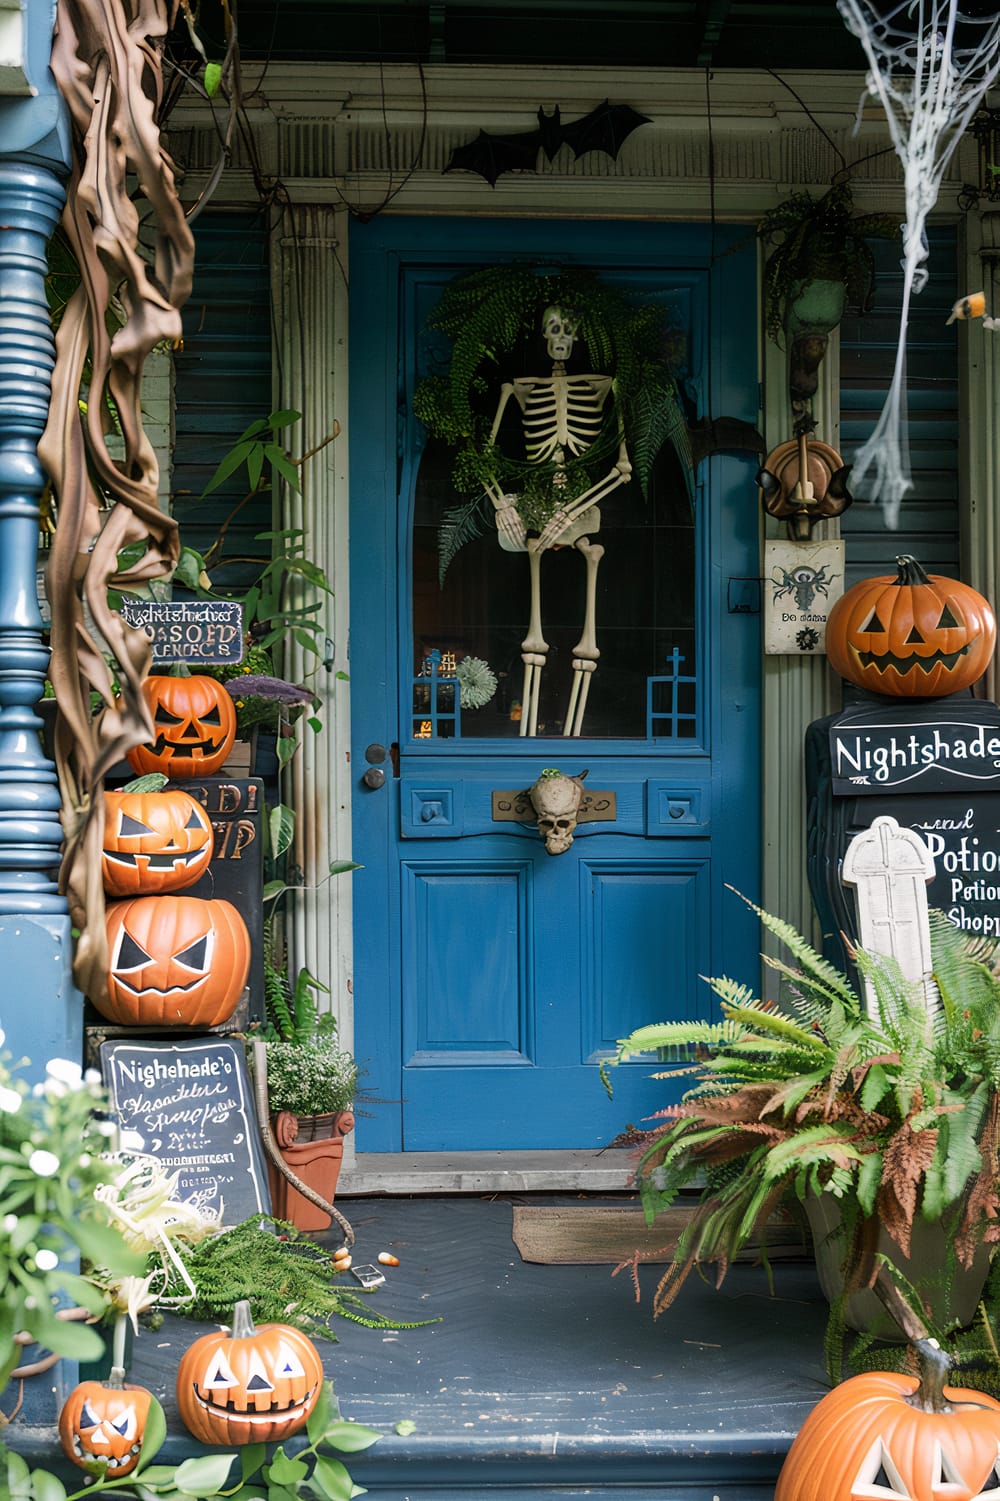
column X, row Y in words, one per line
column 174, row 960
column 917, row 635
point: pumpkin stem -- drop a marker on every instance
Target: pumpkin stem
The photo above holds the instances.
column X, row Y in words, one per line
column 909, row 571
column 243, row 1325
column 116, row 1379
column 933, row 1364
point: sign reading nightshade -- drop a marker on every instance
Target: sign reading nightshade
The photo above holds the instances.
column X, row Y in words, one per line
column 955, row 752
column 209, row 631
column 191, row 1104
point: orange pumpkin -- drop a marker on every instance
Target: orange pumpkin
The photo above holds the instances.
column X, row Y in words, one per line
column 175, row 961
column 888, row 1436
column 154, row 841
column 917, row 635
column 247, row 1385
column 102, row 1425
column 195, row 723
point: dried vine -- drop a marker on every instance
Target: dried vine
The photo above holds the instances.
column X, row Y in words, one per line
column 106, row 60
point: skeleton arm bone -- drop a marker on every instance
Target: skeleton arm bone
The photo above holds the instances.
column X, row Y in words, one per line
column 563, row 518
column 510, row 527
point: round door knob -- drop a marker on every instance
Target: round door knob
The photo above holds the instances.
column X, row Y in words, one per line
column 375, row 753
column 374, row 778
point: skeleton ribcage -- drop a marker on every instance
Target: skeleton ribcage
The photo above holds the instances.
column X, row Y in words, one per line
column 563, row 412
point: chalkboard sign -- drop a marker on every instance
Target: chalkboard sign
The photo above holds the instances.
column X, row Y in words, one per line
column 963, row 836
column 193, row 631
column 923, row 748
column 191, row 1103
column 235, row 807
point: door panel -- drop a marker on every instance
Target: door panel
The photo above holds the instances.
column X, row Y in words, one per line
column 492, row 978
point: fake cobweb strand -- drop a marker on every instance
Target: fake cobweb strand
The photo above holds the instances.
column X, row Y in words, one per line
column 930, row 87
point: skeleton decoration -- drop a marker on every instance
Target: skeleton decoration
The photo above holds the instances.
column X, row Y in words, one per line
column 561, row 416
column 556, row 799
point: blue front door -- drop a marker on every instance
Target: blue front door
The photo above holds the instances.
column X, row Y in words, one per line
column 492, row 977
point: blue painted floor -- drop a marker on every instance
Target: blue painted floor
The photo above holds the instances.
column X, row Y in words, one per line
column 548, row 1382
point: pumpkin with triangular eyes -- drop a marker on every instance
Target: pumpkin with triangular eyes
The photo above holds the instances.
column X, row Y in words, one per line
column 194, row 723
column 154, row 841
column 917, row 635
column 246, row 1385
column 883, row 1436
column 174, row 961
column 102, row 1425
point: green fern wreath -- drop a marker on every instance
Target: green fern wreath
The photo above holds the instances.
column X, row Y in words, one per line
column 486, row 314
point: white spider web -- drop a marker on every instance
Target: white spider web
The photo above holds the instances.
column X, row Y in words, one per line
column 930, row 65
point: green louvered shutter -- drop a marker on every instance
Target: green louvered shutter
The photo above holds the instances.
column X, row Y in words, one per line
column 929, row 520
column 223, row 383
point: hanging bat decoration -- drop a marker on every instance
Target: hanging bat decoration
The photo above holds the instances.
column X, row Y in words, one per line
column 604, row 129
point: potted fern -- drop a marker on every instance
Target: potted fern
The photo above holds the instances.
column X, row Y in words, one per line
column 881, row 1128
column 311, row 1086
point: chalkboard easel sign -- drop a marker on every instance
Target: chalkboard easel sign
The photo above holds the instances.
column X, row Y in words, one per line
column 192, row 1104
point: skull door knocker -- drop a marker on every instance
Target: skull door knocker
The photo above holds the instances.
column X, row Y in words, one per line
column 556, row 799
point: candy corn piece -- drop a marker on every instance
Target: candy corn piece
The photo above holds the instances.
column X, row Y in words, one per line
column 972, row 305
column 386, row 1258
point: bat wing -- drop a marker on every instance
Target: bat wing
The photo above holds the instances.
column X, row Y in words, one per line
column 491, row 155
column 604, row 129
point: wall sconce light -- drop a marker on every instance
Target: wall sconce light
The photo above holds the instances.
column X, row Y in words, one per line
column 986, row 129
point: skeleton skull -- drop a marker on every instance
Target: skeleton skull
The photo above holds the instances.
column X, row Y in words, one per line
column 560, row 333
column 556, row 800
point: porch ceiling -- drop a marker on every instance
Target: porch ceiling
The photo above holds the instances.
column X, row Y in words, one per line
column 778, row 34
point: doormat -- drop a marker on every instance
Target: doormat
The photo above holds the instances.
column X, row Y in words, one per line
column 605, row 1234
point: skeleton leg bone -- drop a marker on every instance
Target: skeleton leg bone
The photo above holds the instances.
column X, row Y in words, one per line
column 585, row 652
column 534, row 647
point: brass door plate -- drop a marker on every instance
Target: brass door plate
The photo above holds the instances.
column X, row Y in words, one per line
column 515, row 807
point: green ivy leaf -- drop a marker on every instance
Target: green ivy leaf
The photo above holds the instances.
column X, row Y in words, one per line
column 252, row 1457
column 152, row 1441
column 350, row 1438
column 405, row 1427
column 285, row 1470
column 213, row 78
column 205, row 1475
column 332, row 1480
column 48, row 1487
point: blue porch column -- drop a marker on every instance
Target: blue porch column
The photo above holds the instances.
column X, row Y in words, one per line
column 40, row 1010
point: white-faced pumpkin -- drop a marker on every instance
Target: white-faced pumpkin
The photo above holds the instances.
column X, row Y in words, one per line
column 153, row 841
column 884, row 1436
column 102, row 1425
column 246, row 1385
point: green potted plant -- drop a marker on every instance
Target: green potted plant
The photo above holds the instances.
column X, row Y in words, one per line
column 819, row 263
column 311, row 1086
column 883, row 1129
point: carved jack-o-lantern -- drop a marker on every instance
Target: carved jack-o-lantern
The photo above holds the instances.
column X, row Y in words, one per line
column 195, row 723
column 102, row 1425
column 248, row 1385
column 916, row 635
column 175, row 961
column 886, row 1436
column 153, row 841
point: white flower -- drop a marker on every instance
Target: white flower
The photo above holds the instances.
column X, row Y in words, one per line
column 9, row 1223
column 105, row 1128
column 92, row 1076
column 10, row 1100
column 46, row 1261
column 44, row 1164
column 65, row 1071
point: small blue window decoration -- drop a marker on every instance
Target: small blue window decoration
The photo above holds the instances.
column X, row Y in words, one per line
column 665, row 717
column 437, row 712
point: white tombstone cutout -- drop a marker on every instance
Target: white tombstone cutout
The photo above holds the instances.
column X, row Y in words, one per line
column 890, row 866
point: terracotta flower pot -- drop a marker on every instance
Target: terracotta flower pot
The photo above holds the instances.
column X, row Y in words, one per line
column 925, row 1268
column 313, row 1147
